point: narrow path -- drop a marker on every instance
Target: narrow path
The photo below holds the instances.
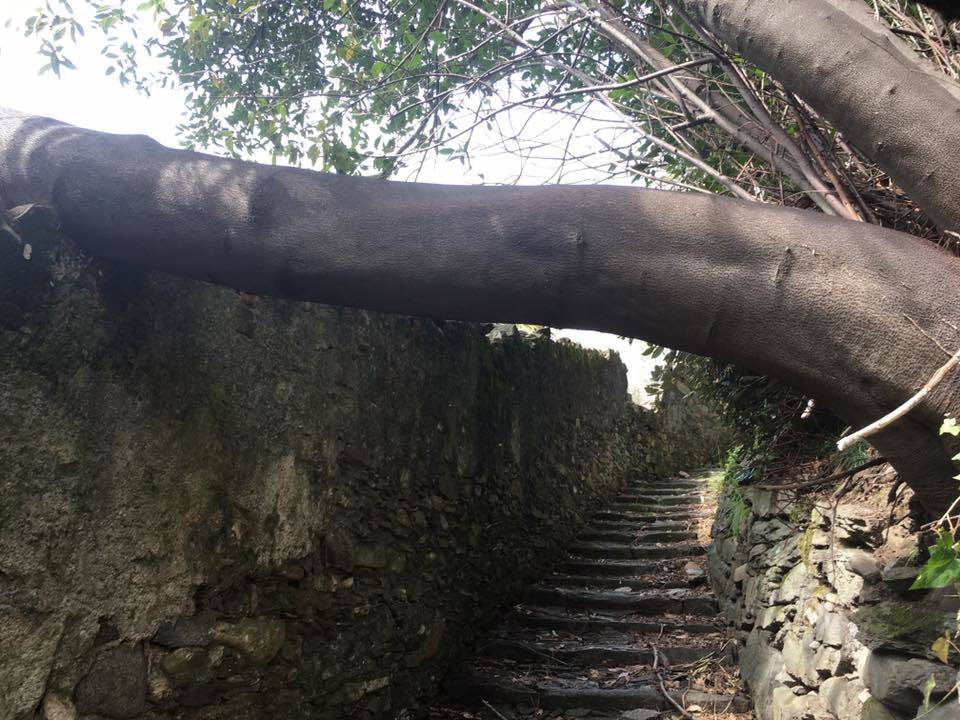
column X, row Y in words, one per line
column 628, row 607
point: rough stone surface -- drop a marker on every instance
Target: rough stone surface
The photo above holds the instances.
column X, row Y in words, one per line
column 314, row 507
column 899, row 682
column 827, row 634
column 115, row 687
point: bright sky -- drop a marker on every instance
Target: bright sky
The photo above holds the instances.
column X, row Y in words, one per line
column 88, row 98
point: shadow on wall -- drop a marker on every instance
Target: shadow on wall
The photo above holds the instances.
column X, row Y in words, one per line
column 224, row 507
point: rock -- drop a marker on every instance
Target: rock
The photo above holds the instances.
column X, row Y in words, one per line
column 785, row 554
column 189, row 630
column 640, row 714
column 899, row 579
column 116, row 686
column 793, row 586
column 772, row 618
column 898, row 682
column 187, row 666
column 908, row 628
column 788, row 705
column 728, row 549
column 863, row 564
column 841, row 696
column 756, row 553
column 258, row 640
column 849, row 587
column 770, row 531
column 760, row 665
column 25, row 671
column 831, row 629
column 828, row 661
column 949, row 709
column 741, row 573
column 854, row 528
column 765, row 502
column 800, row 658
column 694, row 572
column 873, row 709
column 58, row 706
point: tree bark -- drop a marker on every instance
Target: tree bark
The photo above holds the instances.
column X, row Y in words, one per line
column 827, row 305
column 844, row 63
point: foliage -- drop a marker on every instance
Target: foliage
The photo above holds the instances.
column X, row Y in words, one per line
column 765, row 413
column 737, row 470
column 852, row 457
column 942, row 569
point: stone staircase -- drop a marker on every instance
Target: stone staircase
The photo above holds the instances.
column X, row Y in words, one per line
column 625, row 620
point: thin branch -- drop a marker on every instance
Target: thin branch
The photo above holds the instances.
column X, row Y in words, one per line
column 663, row 686
column 899, row 412
column 823, row 481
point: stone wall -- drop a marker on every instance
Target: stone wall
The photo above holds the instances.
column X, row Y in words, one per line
column 817, row 587
column 218, row 506
column 687, row 433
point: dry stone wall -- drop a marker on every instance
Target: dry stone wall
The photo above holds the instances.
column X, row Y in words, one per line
column 216, row 506
column 817, row 589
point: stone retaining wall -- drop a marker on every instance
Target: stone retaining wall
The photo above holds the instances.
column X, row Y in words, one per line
column 818, row 591
column 217, row 506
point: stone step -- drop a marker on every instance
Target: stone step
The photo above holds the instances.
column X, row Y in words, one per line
column 664, row 512
column 623, row 551
column 615, row 581
column 663, row 490
column 674, row 485
column 553, row 693
column 575, row 621
column 636, row 536
column 601, row 651
column 621, row 515
column 649, row 602
column 658, row 500
column 627, row 525
column 608, row 568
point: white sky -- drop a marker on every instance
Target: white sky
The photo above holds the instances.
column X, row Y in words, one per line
column 88, row 98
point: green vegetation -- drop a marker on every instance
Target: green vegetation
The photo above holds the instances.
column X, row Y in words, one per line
column 732, row 502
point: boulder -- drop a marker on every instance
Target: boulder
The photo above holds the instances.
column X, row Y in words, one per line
column 841, row 696
column 907, row 628
column 800, row 658
column 898, row 682
column 863, row 564
column 116, row 686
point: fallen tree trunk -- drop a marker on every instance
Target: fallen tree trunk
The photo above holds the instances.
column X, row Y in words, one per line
column 830, row 306
column 886, row 101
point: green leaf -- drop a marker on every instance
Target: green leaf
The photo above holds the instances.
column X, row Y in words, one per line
column 943, row 567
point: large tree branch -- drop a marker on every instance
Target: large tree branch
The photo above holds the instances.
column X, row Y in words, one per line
column 817, row 301
column 845, row 65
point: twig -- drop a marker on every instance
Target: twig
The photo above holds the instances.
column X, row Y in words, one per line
column 823, row 481
column 899, row 412
column 663, row 686
column 943, row 518
column 492, row 709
